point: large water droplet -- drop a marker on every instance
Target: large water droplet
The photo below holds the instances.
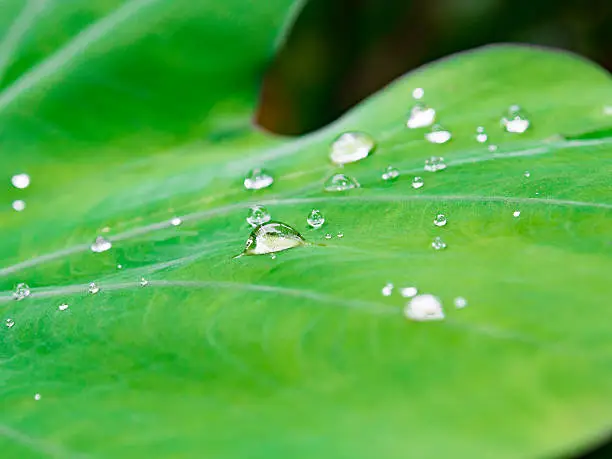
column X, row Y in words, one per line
column 10, row 323
column 20, row 181
column 19, row 205
column 421, row 116
column 417, row 183
column 438, row 135
column 101, row 244
column 143, row 282
column 258, row 215
column 93, row 288
column 258, row 179
column 272, row 237
column 315, row 219
column 424, row 308
column 340, row 182
column 390, row 173
column 387, row 290
column 434, row 164
column 460, row 302
column 351, row 147
column 481, row 135
column 515, row 121
column 21, row 291
column 409, row 292
column 440, row 220
column 438, row 244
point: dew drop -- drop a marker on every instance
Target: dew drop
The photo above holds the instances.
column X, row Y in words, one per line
column 328, row 236
column 106, row 229
column 424, row 308
column 515, row 122
column 20, row 181
column 315, row 219
column 119, row 266
column 527, row 174
column 19, row 205
column 460, row 302
column 438, row 135
column 420, row 116
column 37, row 397
column 434, row 164
column 438, row 244
column 516, row 213
column 258, row 179
column 101, row 245
column 387, row 290
column 63, row 307
column 272, row 237
column 176, row 221
column 93, row 288
column 258, row 215
column 21, row 291
column 417, row 183
column 481, row 135
column 390, row 173
column 273, row 256
column 351, row 147
column 340, row 182
column 409, row 292
column 143, row 282
column 492, row 148
column 10, row 323
column 340, row 235
column 418, row 93
column 440, row 220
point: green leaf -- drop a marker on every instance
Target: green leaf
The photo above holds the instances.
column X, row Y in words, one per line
column 128, row 114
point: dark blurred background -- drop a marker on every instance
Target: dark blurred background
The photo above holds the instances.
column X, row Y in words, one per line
column 341, row 51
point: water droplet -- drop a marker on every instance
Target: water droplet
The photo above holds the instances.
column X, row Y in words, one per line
column 257, row 179
column 63, row 307
column 492, row 148
column 434, row 164
column 340, row 235
column 19, row 205
column 10, row 323
column 516, row 213
column 20, row 181
column 409, row 292
column 143, row 282
column 93, row 288
column 315, row 219
column 258, row 215
column 527, row 174
column 37, row 397
column 21, row 292
column 351, row 147
column 515, row 122
column 420, row 116
column 438, row 243
column 101, row 245
column 440, row 220
column 607, row 110
column 328, row 236
column 106, row 229
column 417, row 183
column 438, row 135
column 340, row 182
column 481, row 135
column 460, row 302
column 418, row 93
column 387, row 290
column 176, row 221
column 424, row 308
column 273, row 256
column 272, row 237
column 119, row 266
column 390, row 173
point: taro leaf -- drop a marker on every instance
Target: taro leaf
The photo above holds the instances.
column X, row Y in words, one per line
column 126, row 115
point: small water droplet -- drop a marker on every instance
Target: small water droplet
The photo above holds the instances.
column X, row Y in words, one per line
column 21, row 291
column 328, row 236
column 340, row 182
column 106, row 229
column 492, row 148
column 409, row 292
column 440, row 220
column 63, row 307
column 143, row 282
column 119, row 266
column 340, row 235
column 176, row 221
column 417, row 183
column 527, row 174
column 390, row 173
column 481, row 135
column 515, row 122
column 424, row 308
column 351, row 147
column 438, row 244
column 420, row 116
column 272, row 237
column 258, row 179
column 418, row 93
column 258, row 215
column 37, row 397
column 387, row 290
column 460, row 302
column 93, row 288
column 315, row 219
column 10, row 323
column 438, row 135
column 434, row 164
column 101, row 245
column 516, row 213
column 20, row 181
column 273, row 256
column 19, row 205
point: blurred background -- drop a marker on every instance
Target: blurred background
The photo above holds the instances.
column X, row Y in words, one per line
column 341, row 51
